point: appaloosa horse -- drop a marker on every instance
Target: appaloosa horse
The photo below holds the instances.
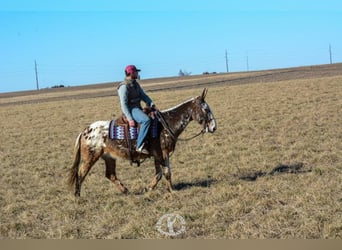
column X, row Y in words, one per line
column 94, row 142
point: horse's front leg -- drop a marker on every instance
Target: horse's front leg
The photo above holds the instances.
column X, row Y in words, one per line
column 158, row 175
column 167, row 174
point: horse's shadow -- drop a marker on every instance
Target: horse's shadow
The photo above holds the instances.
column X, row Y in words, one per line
column 199, row 183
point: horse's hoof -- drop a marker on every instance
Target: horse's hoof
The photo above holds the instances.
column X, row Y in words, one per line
column 149, row 189
column 125, row 191
column 171, row 191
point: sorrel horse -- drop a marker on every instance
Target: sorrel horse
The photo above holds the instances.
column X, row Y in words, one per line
column 94, row 142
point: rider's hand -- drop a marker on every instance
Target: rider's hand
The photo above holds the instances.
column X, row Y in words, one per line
column 131, row 123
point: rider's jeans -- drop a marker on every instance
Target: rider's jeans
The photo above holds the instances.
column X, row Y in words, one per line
column 140, row 117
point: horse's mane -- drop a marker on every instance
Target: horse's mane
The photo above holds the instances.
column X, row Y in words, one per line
column 177, row 106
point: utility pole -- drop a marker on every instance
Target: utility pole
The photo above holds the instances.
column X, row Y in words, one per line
column 330, row 53
column 247, row 63
column 36, row 70
column 227, row 62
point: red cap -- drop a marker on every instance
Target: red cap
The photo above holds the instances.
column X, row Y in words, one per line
column 130, row 69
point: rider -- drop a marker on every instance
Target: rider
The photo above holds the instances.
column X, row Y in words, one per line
column 131, row 94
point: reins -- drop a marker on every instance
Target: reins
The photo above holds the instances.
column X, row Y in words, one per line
column 193, row 137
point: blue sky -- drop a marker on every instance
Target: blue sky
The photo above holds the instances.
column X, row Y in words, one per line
column 76, row 42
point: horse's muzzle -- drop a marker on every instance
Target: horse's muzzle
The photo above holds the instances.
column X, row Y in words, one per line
column 211, row 126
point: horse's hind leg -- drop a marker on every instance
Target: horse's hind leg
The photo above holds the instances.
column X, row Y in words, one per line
column 111, row 173
column 82, row 173
column 86, row 164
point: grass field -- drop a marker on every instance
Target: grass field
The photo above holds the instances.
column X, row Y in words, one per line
column 264, row 122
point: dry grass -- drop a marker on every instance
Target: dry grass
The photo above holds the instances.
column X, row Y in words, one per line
column 259, row 126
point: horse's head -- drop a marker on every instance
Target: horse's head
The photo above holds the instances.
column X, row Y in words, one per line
column 203, row 114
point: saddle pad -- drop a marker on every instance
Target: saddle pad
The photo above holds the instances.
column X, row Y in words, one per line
column 118, row 132
column 154, row 128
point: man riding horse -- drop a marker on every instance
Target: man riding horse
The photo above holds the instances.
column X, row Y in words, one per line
column 96, row 142
column 131, row 94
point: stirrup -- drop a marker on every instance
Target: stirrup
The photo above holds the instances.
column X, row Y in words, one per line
column 142, row 150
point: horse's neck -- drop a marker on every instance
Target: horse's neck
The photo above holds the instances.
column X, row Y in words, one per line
column 178, row 118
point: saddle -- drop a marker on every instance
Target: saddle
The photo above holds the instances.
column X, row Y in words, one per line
column 119, row 129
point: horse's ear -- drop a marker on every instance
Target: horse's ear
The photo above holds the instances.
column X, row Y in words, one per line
column 204, row 93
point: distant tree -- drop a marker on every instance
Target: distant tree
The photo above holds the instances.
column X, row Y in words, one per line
column 58, row 86
column 184, row 73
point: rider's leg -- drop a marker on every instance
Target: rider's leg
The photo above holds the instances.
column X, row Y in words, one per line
column 140, row 117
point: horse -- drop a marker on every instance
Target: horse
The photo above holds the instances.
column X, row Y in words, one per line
column 94, row 143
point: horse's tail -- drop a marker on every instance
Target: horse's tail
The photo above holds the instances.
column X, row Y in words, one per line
column 77, row 154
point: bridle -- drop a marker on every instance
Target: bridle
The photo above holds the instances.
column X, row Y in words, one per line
column 172, row 133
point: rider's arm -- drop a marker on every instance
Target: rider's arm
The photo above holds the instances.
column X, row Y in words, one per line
column 145, row 97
